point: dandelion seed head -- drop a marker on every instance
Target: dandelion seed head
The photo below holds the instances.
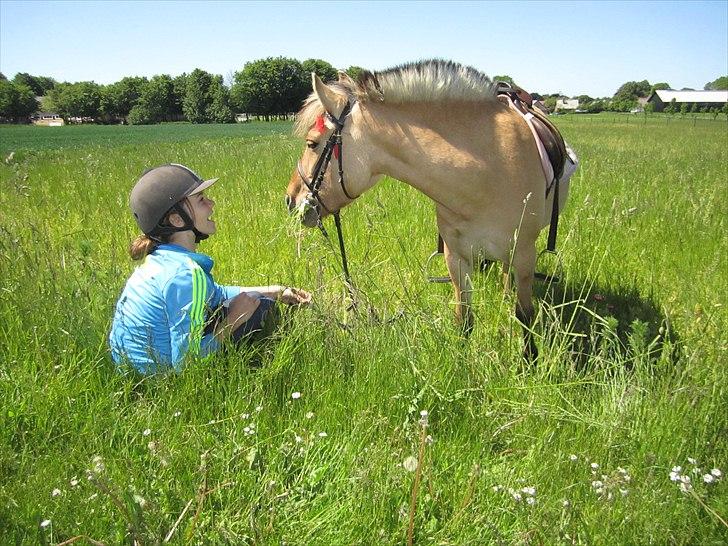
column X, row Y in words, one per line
column 410, row 464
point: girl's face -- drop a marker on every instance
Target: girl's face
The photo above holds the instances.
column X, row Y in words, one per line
column 201, row 211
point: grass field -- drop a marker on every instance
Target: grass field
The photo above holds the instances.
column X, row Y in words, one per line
column 579, row 449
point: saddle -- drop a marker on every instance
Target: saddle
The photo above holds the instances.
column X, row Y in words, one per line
column 545, row 132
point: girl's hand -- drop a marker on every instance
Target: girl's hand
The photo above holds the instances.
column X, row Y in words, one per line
column 295, row 296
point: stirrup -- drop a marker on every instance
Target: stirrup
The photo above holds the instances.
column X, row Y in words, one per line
column 433, row 278
column 545, row 277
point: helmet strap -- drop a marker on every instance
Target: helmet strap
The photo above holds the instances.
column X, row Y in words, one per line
column 188, row 224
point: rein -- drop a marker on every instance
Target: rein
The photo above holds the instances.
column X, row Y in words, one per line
column 333, row 146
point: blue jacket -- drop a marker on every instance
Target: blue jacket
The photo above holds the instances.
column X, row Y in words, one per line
column 162, row 313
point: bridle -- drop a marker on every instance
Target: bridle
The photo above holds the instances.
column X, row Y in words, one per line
column 333, row 146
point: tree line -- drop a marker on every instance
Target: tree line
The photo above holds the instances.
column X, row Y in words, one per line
column 266, row 88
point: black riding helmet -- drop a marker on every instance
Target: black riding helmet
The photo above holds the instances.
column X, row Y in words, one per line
column 160, row 190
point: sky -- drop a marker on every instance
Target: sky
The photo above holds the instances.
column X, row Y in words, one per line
column 573, row 48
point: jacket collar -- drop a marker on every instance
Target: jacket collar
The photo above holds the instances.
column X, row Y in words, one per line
column 203, row 260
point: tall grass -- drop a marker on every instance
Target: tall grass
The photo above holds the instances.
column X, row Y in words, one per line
column 575, row 450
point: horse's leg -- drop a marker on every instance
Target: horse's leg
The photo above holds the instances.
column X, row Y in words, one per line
column 461, row 270
column 524, row 264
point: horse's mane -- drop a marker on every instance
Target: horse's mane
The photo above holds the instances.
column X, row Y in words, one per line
column 422, row 81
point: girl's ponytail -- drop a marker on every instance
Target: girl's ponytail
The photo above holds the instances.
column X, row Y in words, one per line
column 141, row 246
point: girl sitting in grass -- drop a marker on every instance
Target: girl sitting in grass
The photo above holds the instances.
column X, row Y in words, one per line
column 171, row 307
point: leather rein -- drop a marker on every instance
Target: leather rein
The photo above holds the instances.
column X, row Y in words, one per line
column 333, row 146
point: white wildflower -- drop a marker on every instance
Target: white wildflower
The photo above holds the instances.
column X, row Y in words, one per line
column 258, row 408
column 57, row 492
column 531, row 500
column 708, row 478
column 177, row 414
column 98, row 463
column 529, row 491
column 45, row 523
column 595, row 466
column 74, row 481
column 573, row 457
column 296, row 395
column 309, row 415
column 410, row 464
column 692, row 461
column 685, row 487
column 565, row 503
column 624, row 492
column 244, row 416
column 717, row 473
column 140, row 501
column 516, row 496
column 147, row 432
column 298, row 439
column 322, row 434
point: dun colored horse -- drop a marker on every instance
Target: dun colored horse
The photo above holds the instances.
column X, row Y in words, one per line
column 441, row 128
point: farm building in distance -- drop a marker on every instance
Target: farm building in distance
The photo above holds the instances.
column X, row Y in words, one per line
column 710, row 99
column 567, row 104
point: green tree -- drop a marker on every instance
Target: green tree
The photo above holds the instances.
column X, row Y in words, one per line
column 82, row 99
column 219, row 110
column 206, row 98
column 40, row 85
column 504, row 78
column 354, row 71
column 550, row 103
column 718, row 84
column 179, row 89
column 626, row 96
column 17, row 101
column 672, row 107
column 323, row 70
column 155, row 102
column 272, row 86
column 659, row 87
column 196, row 97
column 119, row 98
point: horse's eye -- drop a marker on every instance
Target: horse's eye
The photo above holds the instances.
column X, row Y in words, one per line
column 311, row 144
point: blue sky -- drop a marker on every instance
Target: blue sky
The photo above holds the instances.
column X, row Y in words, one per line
column 569, row 47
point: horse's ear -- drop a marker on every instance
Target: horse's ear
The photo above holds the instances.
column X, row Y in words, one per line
column 330, row 100
column 345, row 79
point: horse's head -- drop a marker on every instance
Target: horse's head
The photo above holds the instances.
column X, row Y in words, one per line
column 333, row 169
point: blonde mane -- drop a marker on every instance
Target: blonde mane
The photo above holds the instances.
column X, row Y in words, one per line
column 424, row 81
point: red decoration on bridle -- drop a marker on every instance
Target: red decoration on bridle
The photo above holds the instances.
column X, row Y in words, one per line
column 321, row 128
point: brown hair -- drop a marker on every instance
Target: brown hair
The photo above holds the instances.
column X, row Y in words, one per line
column 141, row 246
